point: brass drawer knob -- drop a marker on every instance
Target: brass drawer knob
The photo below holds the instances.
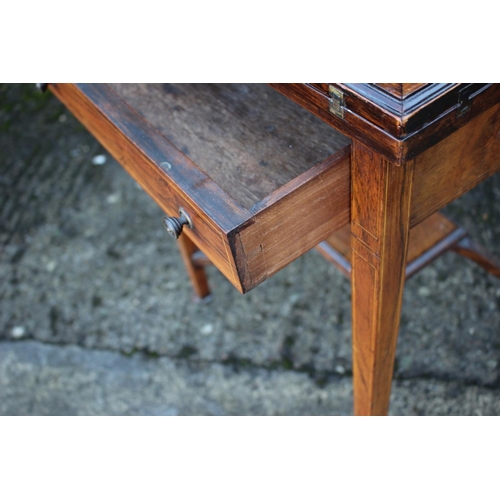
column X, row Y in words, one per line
column 174, row 225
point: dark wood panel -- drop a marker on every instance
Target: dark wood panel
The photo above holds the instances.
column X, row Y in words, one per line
column 249, row 139
column 400, row 90
column 396, row 116
column 398, row 129
column 456, row 165
column 446, row 124
column 427, row 234
column 318, row 102
column 321, row 86
column 399, row 117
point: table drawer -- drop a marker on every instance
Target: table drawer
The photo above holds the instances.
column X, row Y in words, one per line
column 262, row 180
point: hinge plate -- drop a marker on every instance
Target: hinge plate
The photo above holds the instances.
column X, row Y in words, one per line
column 464, row 102
column 336, row 101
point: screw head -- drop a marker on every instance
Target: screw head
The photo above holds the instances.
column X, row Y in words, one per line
column 174, row 225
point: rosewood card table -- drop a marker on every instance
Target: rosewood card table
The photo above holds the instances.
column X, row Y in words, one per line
column 253, row 176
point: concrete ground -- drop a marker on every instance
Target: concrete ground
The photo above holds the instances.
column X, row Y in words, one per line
column 96, row 314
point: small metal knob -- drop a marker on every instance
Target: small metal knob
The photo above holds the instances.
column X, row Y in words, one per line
column 174, row 225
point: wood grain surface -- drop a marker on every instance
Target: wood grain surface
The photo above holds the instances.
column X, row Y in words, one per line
column 380, row 229
column 142, row 151
column 400, row 90
column 456, row 165
column 304, row 207
column 283, row 228
column 398, row 128
column 317, row 101
column 247, row 137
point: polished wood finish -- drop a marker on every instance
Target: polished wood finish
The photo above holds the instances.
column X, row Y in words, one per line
column 146, row 154
column 318, row 102
column 400, row 90
column 398, row 128
column 430, row 239
column 456, row 165
column 402, row 115
column 380, row 228
column 296, row 217
column 337, row 250
column 238, row 134
column 428, row 234
column 301, row 208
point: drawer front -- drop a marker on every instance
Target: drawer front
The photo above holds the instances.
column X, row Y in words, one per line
column 295, row 219
column 246, row 244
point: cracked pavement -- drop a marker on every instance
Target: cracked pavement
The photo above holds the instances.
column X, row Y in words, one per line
column 96, row 314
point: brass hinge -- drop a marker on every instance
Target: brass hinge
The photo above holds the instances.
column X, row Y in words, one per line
column 336, row 101
column 464, row 101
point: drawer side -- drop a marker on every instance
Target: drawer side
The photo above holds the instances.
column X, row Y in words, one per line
column 456, row 165
column 141, row 150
